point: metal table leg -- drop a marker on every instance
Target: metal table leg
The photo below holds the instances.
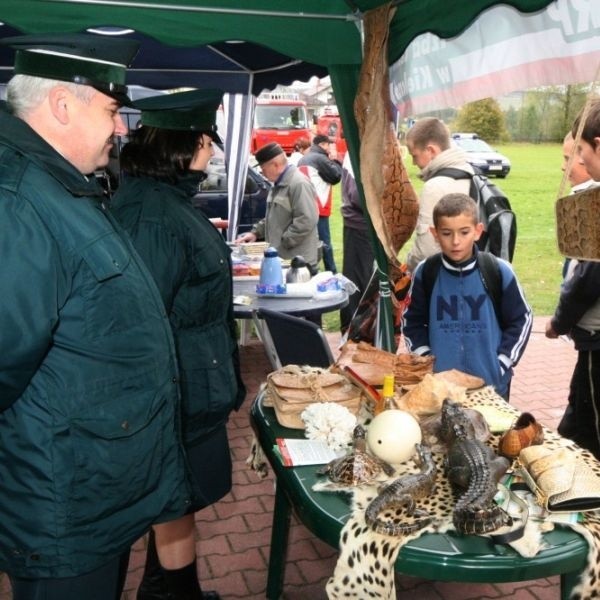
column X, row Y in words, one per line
column 265, row 337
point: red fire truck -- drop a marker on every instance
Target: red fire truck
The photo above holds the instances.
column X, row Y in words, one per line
column 330, row 124
column 281, row 118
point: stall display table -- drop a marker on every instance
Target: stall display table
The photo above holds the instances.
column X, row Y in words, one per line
column 444, row 557
column 299, row 307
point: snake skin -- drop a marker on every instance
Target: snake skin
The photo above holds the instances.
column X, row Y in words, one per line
column 392, row 202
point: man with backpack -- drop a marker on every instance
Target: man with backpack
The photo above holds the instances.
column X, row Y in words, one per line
column 467, row 307
column 428, row 142
column 445, row 170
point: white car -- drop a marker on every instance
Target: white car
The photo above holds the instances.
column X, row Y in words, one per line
column 481, row 155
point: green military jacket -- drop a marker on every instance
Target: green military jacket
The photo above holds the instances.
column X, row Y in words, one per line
column 191, row 265
column 90, row 451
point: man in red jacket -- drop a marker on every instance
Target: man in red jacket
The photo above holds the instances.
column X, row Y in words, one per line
column 320, row 164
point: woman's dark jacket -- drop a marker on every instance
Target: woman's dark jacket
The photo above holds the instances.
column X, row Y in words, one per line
column 191, row 265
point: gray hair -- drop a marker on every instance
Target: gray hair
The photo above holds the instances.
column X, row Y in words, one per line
column 25, row 93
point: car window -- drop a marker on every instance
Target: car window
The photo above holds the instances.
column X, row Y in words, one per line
column 251, row 186
column 216, row 174
column 473, row 145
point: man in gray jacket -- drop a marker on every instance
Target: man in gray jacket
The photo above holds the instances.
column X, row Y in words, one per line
column 290, row 224
column 428, row 142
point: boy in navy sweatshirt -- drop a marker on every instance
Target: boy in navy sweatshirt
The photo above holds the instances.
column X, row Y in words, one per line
column 454, row 316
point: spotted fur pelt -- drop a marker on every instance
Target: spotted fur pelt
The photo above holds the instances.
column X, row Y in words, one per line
column 365, row 567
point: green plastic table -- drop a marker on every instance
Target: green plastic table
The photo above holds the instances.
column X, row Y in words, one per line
column 452, row 557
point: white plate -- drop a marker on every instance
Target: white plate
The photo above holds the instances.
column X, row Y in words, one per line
column 290, row 294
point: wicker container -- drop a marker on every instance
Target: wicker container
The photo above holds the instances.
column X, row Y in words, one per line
column 291, row 389
column 578, row 224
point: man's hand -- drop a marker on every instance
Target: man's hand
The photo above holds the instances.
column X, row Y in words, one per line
column 246, row 238
column 550, row 333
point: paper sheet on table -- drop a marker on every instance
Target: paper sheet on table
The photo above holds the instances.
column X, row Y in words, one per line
column 297, row 452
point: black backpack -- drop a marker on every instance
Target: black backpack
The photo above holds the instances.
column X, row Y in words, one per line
column 499, row 221
column 489, row 270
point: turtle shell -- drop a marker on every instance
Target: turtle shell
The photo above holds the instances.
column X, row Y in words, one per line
column 358, row 467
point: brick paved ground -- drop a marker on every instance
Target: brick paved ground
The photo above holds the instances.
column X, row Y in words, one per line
column 234, row 534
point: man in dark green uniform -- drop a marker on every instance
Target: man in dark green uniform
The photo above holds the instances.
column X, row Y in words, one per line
column 90, row 453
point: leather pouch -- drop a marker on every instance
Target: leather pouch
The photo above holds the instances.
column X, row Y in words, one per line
column 560, row 480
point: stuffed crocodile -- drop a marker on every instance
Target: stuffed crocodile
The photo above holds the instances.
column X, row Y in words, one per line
column 473, row 470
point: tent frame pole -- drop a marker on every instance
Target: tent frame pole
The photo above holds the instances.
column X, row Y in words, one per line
column 215, row 10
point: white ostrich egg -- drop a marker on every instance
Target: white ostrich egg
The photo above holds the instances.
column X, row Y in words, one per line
column 392, row 436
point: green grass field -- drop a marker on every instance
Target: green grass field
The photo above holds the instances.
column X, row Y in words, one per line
column 532, row 187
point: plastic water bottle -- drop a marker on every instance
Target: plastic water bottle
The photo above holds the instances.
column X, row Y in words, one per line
column 271, row 274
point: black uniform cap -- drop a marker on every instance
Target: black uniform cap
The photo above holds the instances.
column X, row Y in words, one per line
column 194, row 110
column 84, row 58
column 268, row 152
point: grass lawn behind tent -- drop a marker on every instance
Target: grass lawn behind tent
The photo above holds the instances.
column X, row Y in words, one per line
column 532, row 187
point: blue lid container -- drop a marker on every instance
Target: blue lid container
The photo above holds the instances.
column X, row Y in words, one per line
column 271, row 274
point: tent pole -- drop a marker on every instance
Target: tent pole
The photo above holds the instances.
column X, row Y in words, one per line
column 215, row 10
column 237, row 151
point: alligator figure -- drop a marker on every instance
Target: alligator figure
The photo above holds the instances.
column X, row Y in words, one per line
column 473, row 470
column 403, row 492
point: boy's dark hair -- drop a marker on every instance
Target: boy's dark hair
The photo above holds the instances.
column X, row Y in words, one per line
column 429, row 130
column 163, row 154
column 453, row 205
column 591, row 129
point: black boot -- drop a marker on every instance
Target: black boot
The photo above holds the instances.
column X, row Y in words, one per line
column 153, row 585
column 123, row 568
column 183, row 583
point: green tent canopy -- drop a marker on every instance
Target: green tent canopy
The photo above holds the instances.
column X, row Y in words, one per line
column 326, row 34
column 322, row 32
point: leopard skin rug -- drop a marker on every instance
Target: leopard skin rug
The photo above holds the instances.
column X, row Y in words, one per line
column 365, row 567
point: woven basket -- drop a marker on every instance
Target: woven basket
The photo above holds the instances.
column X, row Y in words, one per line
column 577, row 228
column 291, row 389
column 254, row 248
